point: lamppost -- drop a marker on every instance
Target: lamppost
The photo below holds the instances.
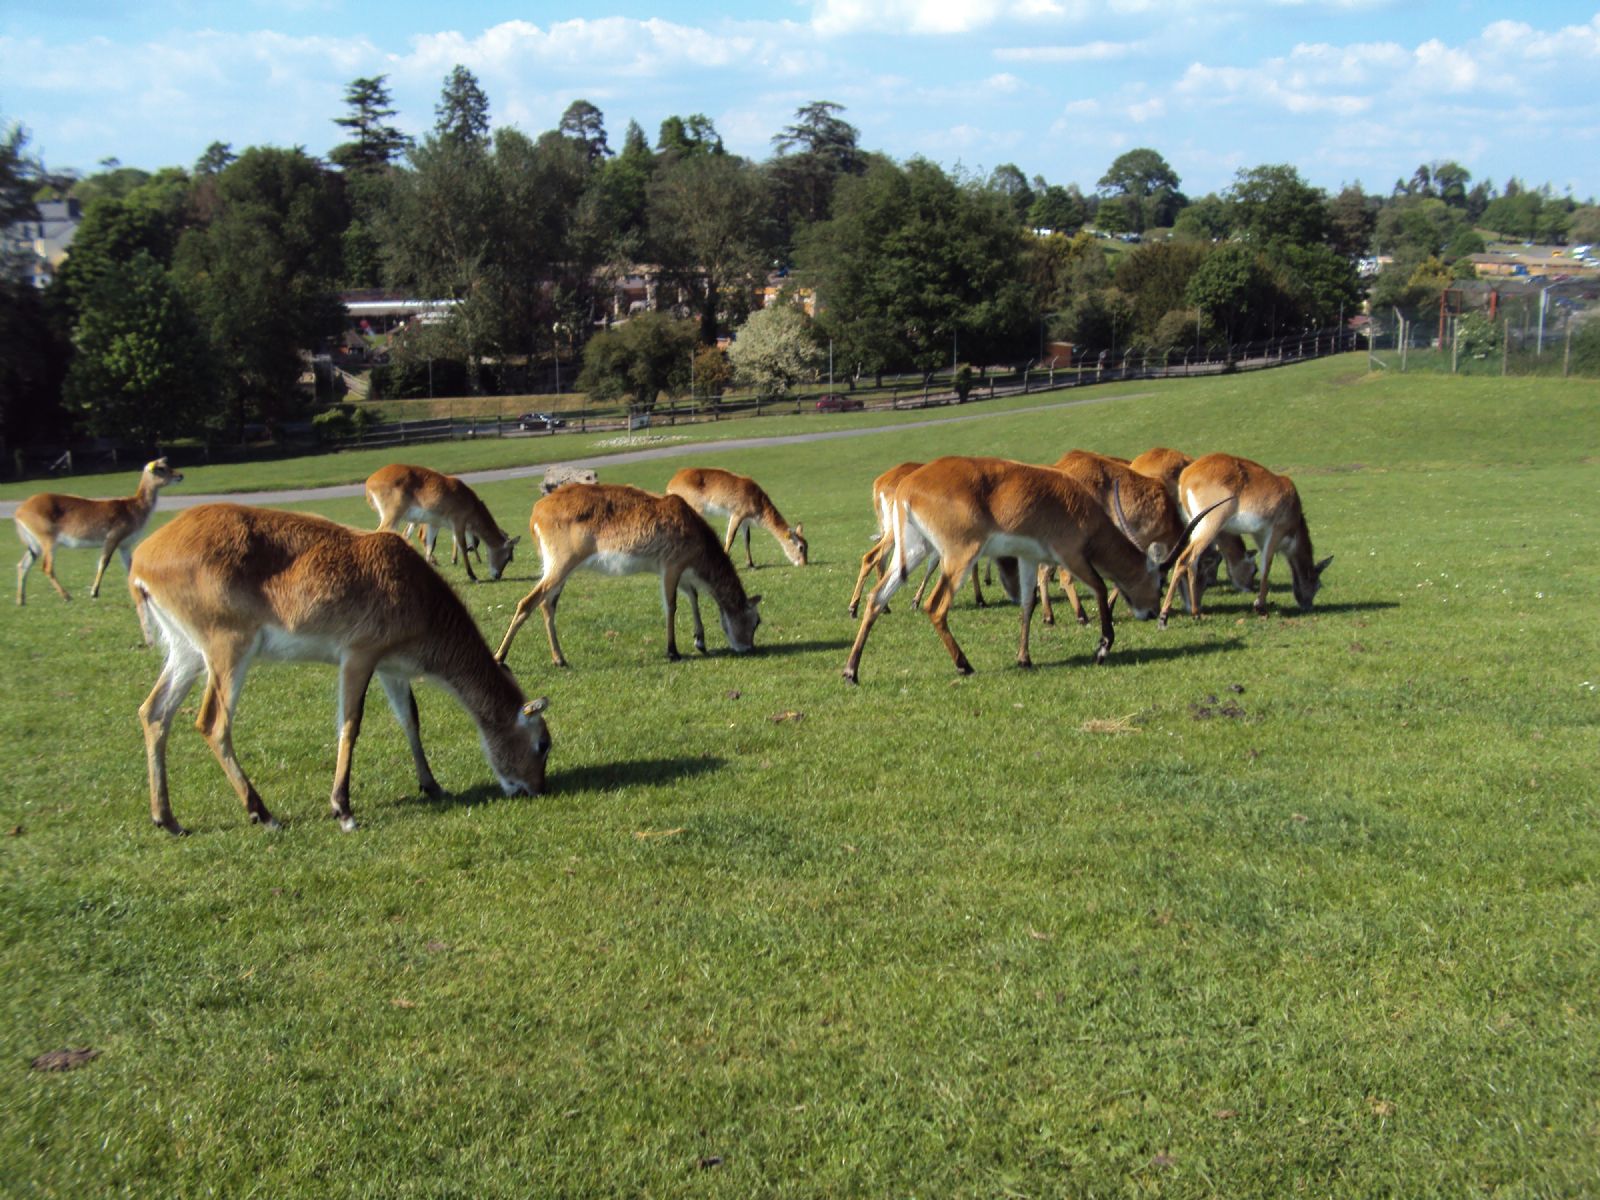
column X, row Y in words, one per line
column 555, row 339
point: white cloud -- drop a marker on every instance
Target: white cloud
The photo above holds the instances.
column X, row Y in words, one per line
column 1085, row 52
column 834, row 17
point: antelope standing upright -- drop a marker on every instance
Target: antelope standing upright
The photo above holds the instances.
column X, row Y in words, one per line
column 226, row 584
column 621, row 530
column 1266, row 506
column 740, row 499
column 400, row 492
column 48, row 520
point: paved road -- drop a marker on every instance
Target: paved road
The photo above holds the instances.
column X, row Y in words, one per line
column 172, row 499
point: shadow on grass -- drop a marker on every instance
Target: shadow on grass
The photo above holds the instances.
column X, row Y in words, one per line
column 1143, row 654
column 601, row 777
column 783, row 648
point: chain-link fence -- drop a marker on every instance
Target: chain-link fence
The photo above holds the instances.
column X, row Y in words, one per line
column 1548, row 327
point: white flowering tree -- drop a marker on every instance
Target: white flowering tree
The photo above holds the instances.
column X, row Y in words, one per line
column 774, row 350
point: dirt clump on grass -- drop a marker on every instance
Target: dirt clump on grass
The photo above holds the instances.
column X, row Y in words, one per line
column 65, row 1060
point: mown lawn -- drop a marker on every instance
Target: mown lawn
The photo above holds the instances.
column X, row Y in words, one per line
column 1321, row 920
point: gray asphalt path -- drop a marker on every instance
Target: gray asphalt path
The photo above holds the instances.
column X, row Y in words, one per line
column 175, row 498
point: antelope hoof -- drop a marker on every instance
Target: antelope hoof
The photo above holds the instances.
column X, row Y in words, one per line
column 171, row 826
column 347, row 823
column 1100, row 653
column 674, row 656
column 432, row 790
column 1083, row 619
column 700, row 645
column 963, row 667
column 1261, row 609
column 1024, row 664
column 849, row 676
column 1161, row 622
column 980, row 604
column 852, row 612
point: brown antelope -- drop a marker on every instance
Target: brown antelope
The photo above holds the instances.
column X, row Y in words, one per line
column 878, row 557
column 227, row 584
column 1266, row 506
column 404, row 493
column 49, row 520
column 621, row 530
column 1165, row 464
column 960, row 508
column 713, row 491
column 1151, row 516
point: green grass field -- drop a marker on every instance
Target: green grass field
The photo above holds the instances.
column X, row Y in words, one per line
column 1322, row 919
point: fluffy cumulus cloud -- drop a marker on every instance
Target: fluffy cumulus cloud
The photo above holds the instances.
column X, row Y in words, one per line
column 835, row 17
column 1081, row 52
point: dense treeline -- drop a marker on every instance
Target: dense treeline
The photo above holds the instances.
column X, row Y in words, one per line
column 190, row 297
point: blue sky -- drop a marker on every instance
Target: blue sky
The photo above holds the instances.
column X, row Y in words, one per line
column 1345, row 90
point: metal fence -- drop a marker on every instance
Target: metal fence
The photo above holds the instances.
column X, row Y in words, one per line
column 1543, row 328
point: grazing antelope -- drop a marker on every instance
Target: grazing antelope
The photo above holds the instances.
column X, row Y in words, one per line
column 404, row 493
column 1267, row 507
column 1151, row 516
column 878, row 557
column 1165, row 464
column 621, row 530
column 740, row 499
column 226, row 583
column 960, row 508
column 49, row 520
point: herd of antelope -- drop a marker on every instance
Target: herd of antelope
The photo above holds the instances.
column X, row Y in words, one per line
column 224, row 584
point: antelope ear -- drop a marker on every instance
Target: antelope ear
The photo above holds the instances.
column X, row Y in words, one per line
column 800, row 529
column 534, row 707
column 1156, row 555
column 1321, row 566
column 754, row 600
column 514, row 541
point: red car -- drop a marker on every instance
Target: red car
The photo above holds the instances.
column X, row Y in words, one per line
column 837, row 403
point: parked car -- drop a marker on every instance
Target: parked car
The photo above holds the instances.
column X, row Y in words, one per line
column 838, row 403
column 533, row 422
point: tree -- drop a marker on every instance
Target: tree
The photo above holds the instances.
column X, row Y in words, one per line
column 1207, row 219
column 1414, row 228
column 1058, row 209
column 1272, row 203
column 639, row 359
column 914, row 269
column 1148, row 187
column 775, row 349
column 1231, row 287
column 261, row 275
column 19, row 177
column 140, row 368
column 215, row 160
column 1352, row 218
column 713, row 373
column 586, row 125
column 706, row 225
column 688, row 136
column 462, row 114
column 374, row 144
column 1584, row 225
column 149, row 219
column 1008, row 181
column 812, row 155
column 1155, row 277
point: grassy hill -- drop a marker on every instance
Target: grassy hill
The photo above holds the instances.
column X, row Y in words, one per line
column 1301, row 904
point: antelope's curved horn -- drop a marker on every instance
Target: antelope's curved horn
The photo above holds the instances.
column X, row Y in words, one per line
column 1122, row 517
column 1188, row 530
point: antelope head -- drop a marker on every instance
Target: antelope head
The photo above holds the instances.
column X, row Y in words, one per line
column 500, row 558
column 794, row 545
column 741, row 626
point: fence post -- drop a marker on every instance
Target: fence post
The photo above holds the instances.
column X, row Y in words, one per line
column 1505, row 348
